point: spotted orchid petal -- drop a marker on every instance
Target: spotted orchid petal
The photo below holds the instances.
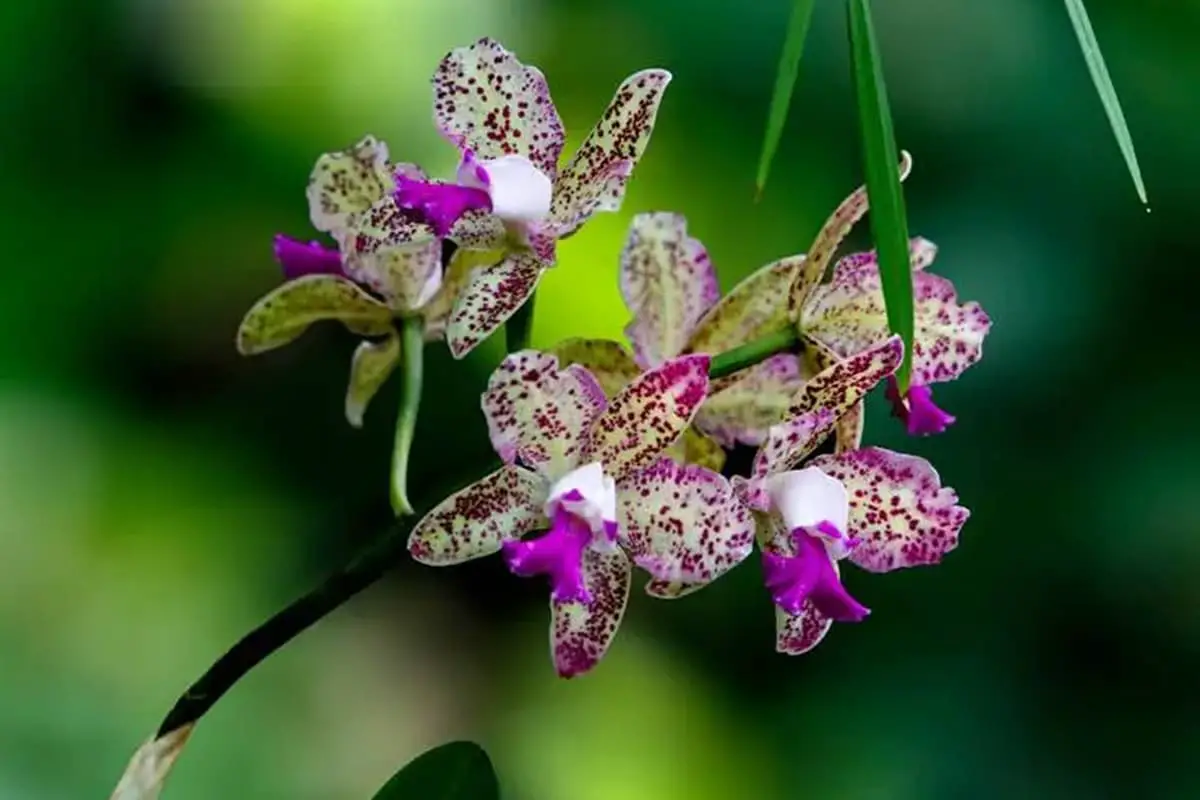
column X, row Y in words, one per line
column 477, row 520
column 899, row 510
column 796, row 632
column 854, row 266
column 786, row 445
column 406, row 275
column 848, row 315
column 382, row 226
column 479, row 230
column 614, row 368
column 348, row 182
column 848, row 432
column 538, row 413
column 683, row 525
column 487, row 102
column 816, row 408
column 829, row 238
column 648, row 416
column 463, row 264
column 281, row 315
column 741, row 411
column 608, row 361
column 490, row 297
column 580, row 633
column 594, row 180
column 668, row 283
column 372, row 365
column 843, row 384
column 755, row 307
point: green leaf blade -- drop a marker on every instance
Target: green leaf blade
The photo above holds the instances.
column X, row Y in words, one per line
column 889, row 222
column 785, row 85
column 452, row 771
column 1108, row 93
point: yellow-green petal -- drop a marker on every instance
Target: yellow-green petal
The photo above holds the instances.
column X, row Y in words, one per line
column 608, row 361
column 830, row 237
column 742, row 410
column 848, row 432
column 370, row 368
column 280, row 316
column 697, row 447
column 668, row 283
column 463, row 265
column 408, row 275
column 755, row 307
column 348, row 182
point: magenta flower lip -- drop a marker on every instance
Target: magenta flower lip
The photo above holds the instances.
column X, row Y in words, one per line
column 809, row 576
column 557, row 554
column 918, row 412
column 437, row 203
column 299, row 258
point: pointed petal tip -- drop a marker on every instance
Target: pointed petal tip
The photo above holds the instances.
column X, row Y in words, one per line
column 148, row 769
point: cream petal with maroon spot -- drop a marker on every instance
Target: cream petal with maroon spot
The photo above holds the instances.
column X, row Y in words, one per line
column 594, row 179
column 743, row 410
column 348, row 182
column 668, row 283
column 538, row 414
column 487, row 102
column 580, row 633
column 648, row 416
column 491, row 296
column 788, row 442
column 683, row 525
column 848, row 315
column 899, row 511
column 755, row 307
column 477, row 520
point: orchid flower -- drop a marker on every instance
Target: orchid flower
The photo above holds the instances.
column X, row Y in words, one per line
column 670, row 287
column 366, row 284
column 847, row 314
column 509, row 194
column 590, row 473
column 879, row 509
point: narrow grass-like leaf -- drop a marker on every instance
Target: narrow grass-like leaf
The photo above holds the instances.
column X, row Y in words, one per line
column 889, row 225
column 1108, row 94
column 453, row 771
column 785, row 84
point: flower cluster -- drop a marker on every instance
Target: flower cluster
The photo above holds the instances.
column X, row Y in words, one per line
column 612, row 455
column 503, row 213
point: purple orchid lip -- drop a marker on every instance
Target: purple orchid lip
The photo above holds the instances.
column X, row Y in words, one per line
column 920, row 415
column 438, row 203
column 557, row 554
column 299, row 258
column 809, row 575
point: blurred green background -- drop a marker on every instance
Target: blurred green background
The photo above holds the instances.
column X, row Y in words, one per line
column 159, row 495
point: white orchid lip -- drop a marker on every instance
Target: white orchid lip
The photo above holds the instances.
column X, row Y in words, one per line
column 805, row 499
column 589, row 494
column 520, row 192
